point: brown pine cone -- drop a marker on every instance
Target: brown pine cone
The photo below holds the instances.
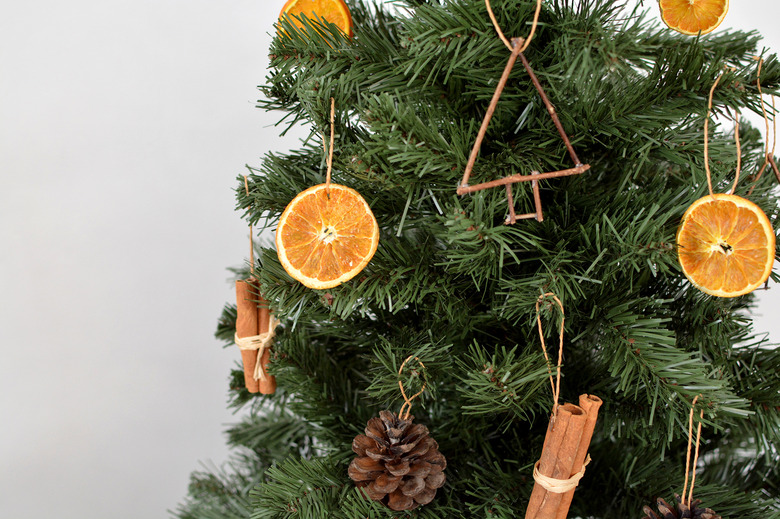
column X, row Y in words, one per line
column 397, row 462
column 681, row 511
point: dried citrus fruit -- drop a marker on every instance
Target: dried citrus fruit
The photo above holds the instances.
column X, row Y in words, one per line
column 334, row 11
column 323, row 241
column 726, row 245
column 693, row 16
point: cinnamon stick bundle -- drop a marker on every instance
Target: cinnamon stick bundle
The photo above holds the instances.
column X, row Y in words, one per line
column 563, row 456
column 590, row 404
column 253, row 319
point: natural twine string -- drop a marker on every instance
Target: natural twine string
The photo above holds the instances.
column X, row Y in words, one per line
column 556, row 386
column 763, row 111
column 768, row 155
column 688, row 455
column 707, row 138
column 260, row 343
column 329, row 149
column 525, row 42
column 251, row 242
column 408, row 400
column 559, row 486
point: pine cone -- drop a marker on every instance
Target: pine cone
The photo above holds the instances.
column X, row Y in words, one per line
column 680, row 511
column 397, row 462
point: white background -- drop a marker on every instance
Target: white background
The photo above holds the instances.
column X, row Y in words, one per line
column 123, row 124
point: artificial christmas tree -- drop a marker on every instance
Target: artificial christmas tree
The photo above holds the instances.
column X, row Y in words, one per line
column 451, row 284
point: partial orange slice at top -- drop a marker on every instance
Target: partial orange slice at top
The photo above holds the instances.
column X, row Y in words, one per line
column 323, row 241
column 726, row 245
column 334, row 11
column 693, row 16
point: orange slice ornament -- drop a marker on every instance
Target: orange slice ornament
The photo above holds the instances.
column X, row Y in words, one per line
column 693, row 16
column 726, row 245
column 333, row 11
column 323, row 241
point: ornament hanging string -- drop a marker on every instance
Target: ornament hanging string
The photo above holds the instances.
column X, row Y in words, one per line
column 769, row 156
column 524, row 42
column 329, row 149
column 688, row 455
column 407, row 407
column 707, row 138
column 251, row 241
column 556, row 386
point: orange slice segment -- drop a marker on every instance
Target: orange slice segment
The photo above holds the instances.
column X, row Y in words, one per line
column 726, row 245
column 334, row 11
column 323, row 241
column 693, row 16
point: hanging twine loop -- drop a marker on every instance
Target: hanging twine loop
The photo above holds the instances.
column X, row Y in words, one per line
column 523, row 42
column 769, row 155
column 260, row 343
column 328, row 149
column 407, row 407
column 707, row 138
column 688, row 455
column 251, row 241
column 556, row 385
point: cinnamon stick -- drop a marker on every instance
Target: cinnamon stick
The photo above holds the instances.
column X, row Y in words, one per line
column 247, row 326
column 561, row 444
column 590, row 404
column 267, row 386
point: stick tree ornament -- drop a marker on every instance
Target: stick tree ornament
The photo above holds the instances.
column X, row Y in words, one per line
column 516, row 47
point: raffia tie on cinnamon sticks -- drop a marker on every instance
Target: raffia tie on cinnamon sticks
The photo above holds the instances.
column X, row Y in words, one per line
column 255, row 329
column 565, row 451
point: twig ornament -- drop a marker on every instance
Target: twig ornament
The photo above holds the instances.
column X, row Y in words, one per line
column 516, row 47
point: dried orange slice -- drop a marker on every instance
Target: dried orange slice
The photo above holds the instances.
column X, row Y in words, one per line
column 693, row 16
column 334, row 11
column 323, row 241
column 726, row 245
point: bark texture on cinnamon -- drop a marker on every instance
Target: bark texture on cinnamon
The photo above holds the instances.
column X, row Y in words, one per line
column 563, row 456
column 253, row 318
column 590, row 404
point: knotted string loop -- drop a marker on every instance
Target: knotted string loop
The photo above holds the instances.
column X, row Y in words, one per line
column 524, row 42
column 329, row 149
column 556, row 386
column 688, row 455
column 407, row 407
column 769, row 155
column 251, row 242
column 707, row 139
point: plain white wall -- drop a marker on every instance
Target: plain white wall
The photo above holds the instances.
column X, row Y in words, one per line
column 122, row 127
